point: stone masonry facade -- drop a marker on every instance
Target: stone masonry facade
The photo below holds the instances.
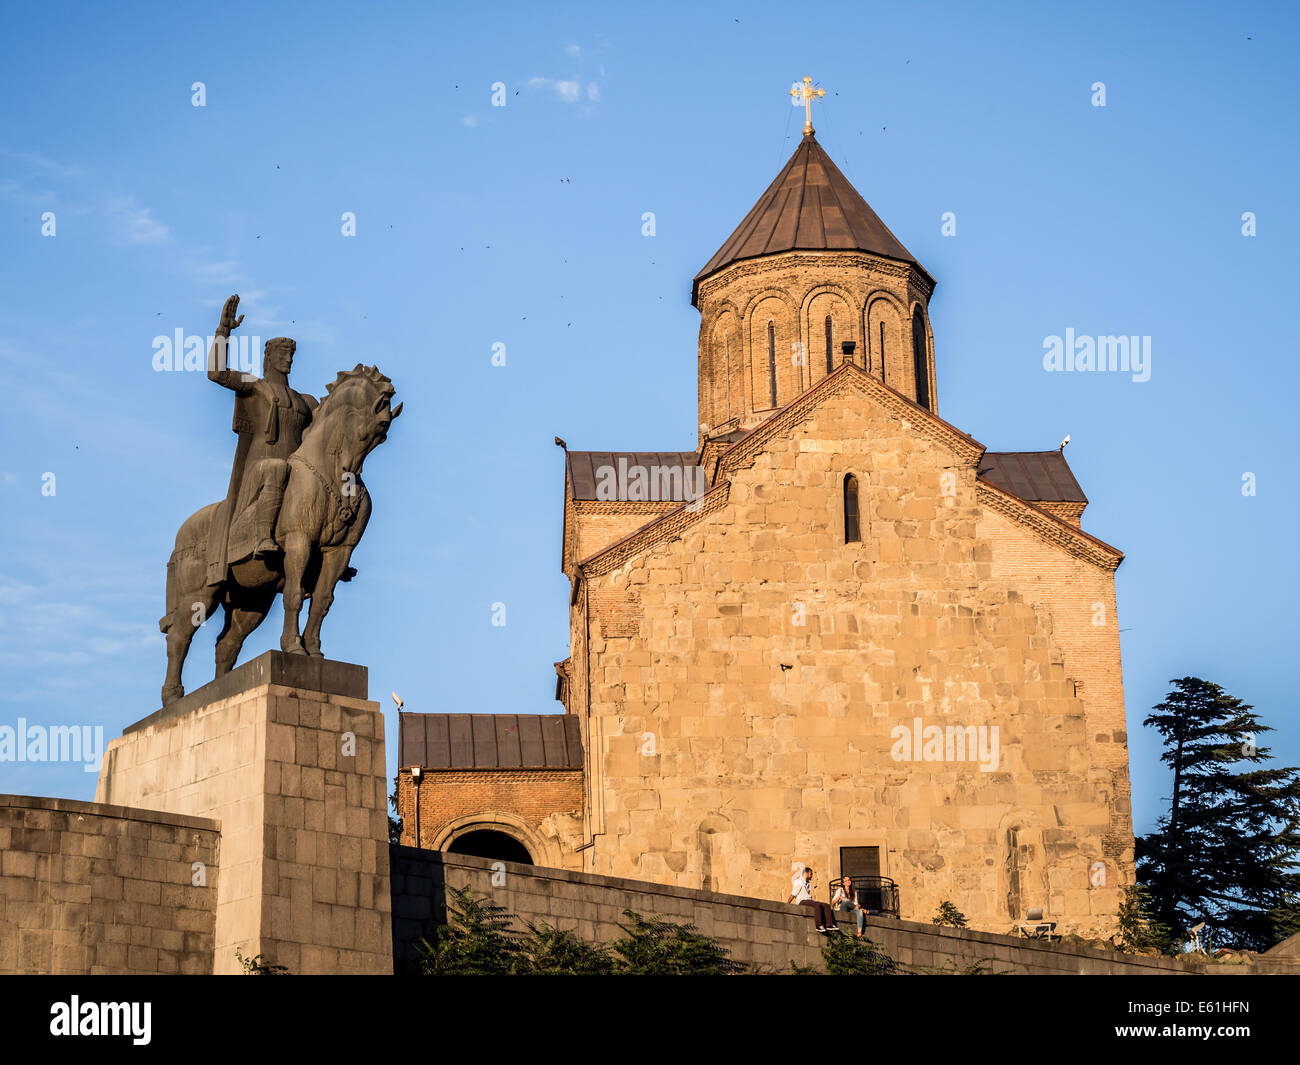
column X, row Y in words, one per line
column 870, row 301
column 296, row 777
column 753, row 718
column 90, row 888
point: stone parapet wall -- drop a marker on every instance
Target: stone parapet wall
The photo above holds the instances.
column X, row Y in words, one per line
column 90, row 888
column 765, row 934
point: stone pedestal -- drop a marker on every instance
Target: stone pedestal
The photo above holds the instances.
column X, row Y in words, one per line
column 288, row 754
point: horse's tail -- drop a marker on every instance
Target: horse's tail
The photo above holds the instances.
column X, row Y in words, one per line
column 191, row 542
column 165, row 622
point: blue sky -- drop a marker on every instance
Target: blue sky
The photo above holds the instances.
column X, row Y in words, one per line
column 521, row 225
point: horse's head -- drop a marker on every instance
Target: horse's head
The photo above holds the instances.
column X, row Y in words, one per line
column 353, row 419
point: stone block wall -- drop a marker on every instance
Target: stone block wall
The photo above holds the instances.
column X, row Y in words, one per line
column 93, row 888
column 288, row 754
column 767, row 935
column 772, row 665
column 866, row 297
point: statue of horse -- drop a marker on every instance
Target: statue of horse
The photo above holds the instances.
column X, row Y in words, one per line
column 325, row 511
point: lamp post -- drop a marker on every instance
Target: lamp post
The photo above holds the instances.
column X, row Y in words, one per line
column 416, row 773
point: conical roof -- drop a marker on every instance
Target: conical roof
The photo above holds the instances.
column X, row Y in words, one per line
column 810, row 206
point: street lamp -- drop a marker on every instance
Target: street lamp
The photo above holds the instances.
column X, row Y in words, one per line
column 416, row 773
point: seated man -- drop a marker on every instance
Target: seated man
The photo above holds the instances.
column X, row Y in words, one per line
column 801, row 893
column 845, row 902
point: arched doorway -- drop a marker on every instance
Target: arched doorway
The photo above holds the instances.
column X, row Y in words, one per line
column 488, row 843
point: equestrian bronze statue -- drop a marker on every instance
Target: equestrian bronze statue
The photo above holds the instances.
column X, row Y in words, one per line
column 295, row 508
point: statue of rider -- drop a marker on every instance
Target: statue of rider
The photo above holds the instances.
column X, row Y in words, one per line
column 270, row 418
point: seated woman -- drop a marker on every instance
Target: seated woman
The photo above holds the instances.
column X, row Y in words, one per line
column 845, row 902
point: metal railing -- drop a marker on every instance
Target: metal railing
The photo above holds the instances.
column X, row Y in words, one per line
column 877, row 894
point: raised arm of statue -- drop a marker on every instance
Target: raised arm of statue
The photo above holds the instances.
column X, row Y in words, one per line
column 217, row 371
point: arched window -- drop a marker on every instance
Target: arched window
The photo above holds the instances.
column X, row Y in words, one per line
column 882, row 351
column 488, row 843
column 830, row 362
column 920, row 364
column 771, row 358
column 726, row 376
column 852, row 523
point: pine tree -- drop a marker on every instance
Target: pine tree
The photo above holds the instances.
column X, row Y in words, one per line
column 477, row 939
column 1227, row 851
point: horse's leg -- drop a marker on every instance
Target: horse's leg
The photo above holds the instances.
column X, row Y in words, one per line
column 297, row 553
column 225, row 663
column 241, row 620
column 334, row 560
column 187, row 615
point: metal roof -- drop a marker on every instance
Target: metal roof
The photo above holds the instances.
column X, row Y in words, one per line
column 1034, row 476
column 489, row 741
column 810, row 206
column 583, row 466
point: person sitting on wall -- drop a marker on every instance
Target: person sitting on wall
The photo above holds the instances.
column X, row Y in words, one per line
column 801, row 893
column 845, row 902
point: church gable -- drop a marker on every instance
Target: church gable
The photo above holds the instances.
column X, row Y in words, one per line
column 870, row 394
column 849, row 415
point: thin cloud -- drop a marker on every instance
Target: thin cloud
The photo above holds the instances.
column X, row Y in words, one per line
column 136, row 224
column 35, row 163
column 567, row 91
column 222, row 272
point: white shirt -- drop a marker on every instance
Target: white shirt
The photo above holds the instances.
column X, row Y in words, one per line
column 800, row 888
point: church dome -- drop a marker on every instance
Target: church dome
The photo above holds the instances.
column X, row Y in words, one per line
column 810, row 206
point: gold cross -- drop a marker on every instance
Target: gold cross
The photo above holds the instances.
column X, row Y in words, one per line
column 806, row 92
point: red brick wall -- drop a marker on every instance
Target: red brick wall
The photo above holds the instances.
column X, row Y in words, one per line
column 446, row 795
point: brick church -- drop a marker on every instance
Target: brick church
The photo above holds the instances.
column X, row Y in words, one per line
column 838, row 632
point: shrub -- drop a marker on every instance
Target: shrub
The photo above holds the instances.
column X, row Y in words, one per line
column 948, row 914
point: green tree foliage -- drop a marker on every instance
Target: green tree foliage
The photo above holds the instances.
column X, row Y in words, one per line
column 1139, row 932
column 394, row 823
column 477, row 940
column 555, row 952
column 948, row 914
column 851, row 956
column 656, row 947
column 256, row 966
column 1228, row 850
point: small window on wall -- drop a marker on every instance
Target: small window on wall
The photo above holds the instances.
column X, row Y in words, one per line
column 771, row 359
column 830, row 358
column 852, row 523
column 920, row 363
column 859, row 861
